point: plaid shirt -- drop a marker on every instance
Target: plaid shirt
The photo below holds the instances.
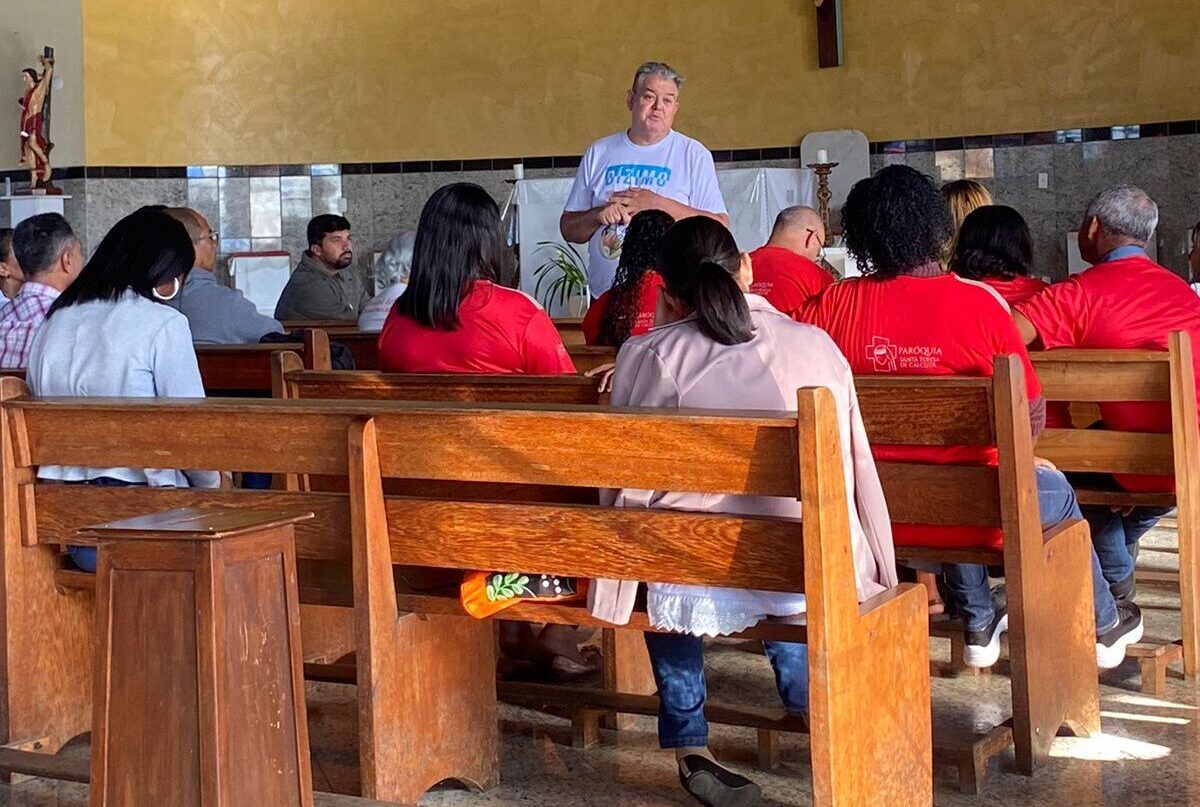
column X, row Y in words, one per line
column 20, row 320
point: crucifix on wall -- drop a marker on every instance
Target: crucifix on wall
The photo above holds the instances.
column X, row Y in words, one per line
column 829, row 33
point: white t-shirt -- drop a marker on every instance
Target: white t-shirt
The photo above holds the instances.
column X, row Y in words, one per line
column 127, row 348
column 677, row 167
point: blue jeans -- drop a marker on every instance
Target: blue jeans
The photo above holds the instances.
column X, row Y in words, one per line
column 85, row 556
column 678, row 663
column 1116, row 536
column 967, row 584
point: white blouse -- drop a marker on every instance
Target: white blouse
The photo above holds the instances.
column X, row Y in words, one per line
column 128, row 348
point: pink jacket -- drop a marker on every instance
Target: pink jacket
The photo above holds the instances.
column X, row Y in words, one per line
column 675, row 366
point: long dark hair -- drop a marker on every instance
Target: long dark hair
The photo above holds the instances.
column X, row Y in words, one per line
column 145, row 249
column 639, row 254
column 994, row 242
column 895, row 221
column 699, row 260
column 458, row 242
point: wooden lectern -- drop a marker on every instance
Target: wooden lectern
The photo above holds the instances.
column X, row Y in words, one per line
column 199, row 685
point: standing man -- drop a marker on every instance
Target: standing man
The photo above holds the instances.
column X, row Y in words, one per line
column 321, row 287
column 1124, row 301
column 785, row 270
column 218, row 315
column 650, row 166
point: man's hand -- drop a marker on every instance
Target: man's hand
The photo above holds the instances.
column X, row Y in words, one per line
column 1042, row 462
column 615, row 212
column 636, row 200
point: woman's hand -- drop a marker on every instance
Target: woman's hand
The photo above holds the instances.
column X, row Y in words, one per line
column 605, row 371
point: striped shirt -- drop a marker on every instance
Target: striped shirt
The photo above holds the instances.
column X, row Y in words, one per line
column 20, row 320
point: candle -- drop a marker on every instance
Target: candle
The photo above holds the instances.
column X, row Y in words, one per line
column 519, row 171
column 822, row 156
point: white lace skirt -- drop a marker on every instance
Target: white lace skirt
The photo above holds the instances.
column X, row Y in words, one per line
column 711, row 611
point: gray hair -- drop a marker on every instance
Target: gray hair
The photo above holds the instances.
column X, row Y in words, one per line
column 396, row 261
column 1125, row 210
column 660, row 69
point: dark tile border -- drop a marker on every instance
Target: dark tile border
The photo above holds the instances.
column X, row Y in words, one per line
column 1092, row 134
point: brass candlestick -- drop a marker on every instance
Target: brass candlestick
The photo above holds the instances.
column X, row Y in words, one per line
column 823, row 171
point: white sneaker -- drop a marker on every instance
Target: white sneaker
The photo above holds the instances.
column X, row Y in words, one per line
column 1112, row 644
column 982, row 647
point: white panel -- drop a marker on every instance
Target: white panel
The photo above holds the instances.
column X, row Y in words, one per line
column 261, row 278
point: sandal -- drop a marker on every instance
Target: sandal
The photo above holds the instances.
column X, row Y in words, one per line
column 563, row 668
column 715, row 786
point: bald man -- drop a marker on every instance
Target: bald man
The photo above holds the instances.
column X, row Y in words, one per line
column 785, row 270
column 218, row 315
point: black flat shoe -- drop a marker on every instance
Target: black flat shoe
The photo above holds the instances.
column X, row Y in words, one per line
column 714, row 786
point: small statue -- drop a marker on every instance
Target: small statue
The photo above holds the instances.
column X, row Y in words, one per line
column 35, row 122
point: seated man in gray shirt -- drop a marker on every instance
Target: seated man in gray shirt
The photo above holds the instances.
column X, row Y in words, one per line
column 323, row 286
column 218, row 315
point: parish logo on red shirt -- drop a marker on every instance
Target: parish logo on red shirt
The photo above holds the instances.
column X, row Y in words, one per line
column 890, row 358
column 882, row 353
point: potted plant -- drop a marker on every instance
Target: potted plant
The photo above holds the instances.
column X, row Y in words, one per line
column 564, row 276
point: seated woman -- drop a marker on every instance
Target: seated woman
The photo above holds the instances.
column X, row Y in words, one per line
column 963, row 197
column 391, row 277
column 453, row 318
column 906, row 316
column 720, row 348
column 995, row 247
column 627, row 309
column 108, row 335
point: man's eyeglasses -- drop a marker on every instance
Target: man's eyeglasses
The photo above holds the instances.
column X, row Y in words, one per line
column 214, row 236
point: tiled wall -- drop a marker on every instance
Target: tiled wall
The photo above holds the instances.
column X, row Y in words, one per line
column 267, row 207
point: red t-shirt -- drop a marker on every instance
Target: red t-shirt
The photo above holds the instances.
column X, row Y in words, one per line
column 647, row 301
column 500, row 331
column 786, row 279
column 1131, row 303
column 942, row 325
column 1016, row 290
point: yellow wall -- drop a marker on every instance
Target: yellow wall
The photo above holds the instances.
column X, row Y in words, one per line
column 173, row 82
column 25, row 28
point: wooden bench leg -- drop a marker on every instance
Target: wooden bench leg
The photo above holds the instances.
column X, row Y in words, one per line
column 46, row 681
column 891, row 761
column 585, row 728
column 769, row 755
column 426, row 683
column 626, row 668
column 971, row 754
column 1153, row 660
column 1052, row 644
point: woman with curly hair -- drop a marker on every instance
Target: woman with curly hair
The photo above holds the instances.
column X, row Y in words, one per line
column 995, row 247
column 627, row 309
column 906, row 316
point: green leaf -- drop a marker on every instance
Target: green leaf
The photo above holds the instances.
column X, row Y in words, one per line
column 491, row 593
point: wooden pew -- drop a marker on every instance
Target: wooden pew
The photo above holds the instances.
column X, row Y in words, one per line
column 1051, row 631
column 238, row 370
column 1097, row 376
column 364, row 345
column 865, row 660
column 291, row 380
column 570, row 330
